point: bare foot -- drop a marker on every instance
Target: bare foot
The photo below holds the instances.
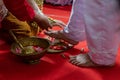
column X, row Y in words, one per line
column 60, row 35
column 83, row 60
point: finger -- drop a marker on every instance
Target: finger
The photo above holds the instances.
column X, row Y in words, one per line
column 50, row 26
column 46, row 29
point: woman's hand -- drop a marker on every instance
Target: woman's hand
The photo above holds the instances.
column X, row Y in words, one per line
column 58, row 23
column 42, row 21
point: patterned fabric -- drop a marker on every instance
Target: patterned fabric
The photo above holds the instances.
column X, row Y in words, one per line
column 40, row 3
column 20, row 28
column 10, row 22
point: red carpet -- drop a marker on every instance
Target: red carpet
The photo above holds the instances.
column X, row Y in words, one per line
column 53, row 66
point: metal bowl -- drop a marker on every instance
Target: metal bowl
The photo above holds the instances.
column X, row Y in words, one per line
column 34, row 49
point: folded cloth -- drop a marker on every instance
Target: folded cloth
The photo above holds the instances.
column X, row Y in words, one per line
column 20, row 28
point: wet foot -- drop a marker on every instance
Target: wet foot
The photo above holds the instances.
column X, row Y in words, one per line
column 60, row 35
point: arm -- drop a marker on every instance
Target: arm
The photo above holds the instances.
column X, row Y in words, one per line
column 24, row 10
column 40, row 18
column 35, row 6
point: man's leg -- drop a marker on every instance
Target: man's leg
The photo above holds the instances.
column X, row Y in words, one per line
column 74, row 31
column 102, row 34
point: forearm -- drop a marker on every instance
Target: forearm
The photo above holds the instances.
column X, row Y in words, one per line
column 35, row 7
column 40, row 18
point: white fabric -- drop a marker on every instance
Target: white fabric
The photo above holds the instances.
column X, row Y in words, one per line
column 102, row 28
column 75, row 28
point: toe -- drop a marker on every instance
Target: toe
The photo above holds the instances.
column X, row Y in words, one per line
column 71, row 56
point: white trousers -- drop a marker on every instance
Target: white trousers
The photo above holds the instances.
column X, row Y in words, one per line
column 97, row 21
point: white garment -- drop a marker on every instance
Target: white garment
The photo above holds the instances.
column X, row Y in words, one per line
column 60, row 2
column 102, row 21
column 3, row 11
column 75, row 28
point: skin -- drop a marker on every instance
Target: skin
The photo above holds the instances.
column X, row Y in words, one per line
column 40, row 18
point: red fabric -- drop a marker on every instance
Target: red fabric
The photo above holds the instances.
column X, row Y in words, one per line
column 20, row 8
column 53, row 66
